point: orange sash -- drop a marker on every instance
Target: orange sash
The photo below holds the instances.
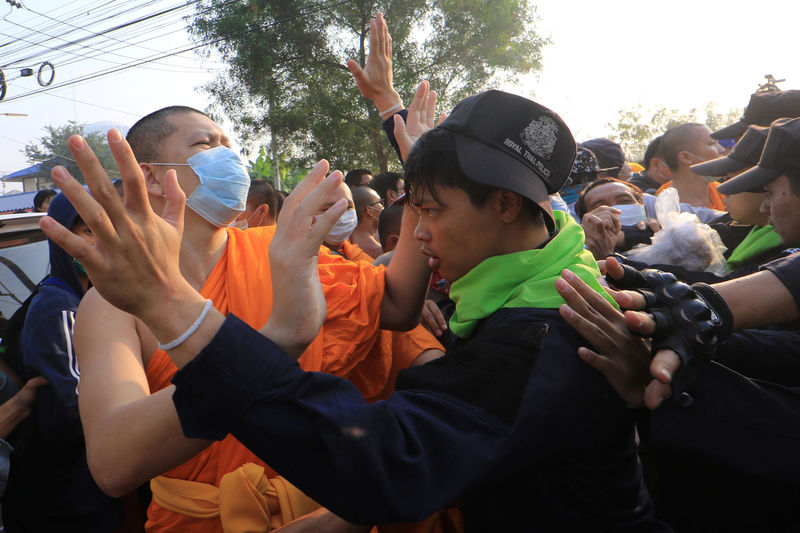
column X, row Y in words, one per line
column 240, row 283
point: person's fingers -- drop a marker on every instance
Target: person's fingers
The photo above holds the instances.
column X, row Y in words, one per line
column 420, row 96
column 601, row 265
column 103, row 191
column 404, row 141
column 375, row 45
column 92, row 213
column 588, row 296
column 442, row 118
column 653, row 224
column 306, row 185
column 601, row 363
column 357, row 71
column 132, row 178
column 586, row 327
column 325, row 222
column 664, row 366
column 429, row 320
column 641, row 225
column 36, row 382
column 639, row 322
column 430, row 109
column 176, row 200
column 71, row 243
column 614, row 268
column 385, row 38
column 655, row 393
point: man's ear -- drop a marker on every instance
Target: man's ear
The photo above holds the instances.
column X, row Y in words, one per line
column 686, row 158
column 151, row 181
column 509, row 205
column 260, row 215
column 391, row 242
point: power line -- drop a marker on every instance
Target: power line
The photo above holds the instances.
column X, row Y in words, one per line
column 100, row 74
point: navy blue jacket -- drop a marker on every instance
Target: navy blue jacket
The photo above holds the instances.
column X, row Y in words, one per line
column 510, row 424
column 50, row 487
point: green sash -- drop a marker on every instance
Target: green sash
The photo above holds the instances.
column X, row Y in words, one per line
column 523, row 279
column 759, row 240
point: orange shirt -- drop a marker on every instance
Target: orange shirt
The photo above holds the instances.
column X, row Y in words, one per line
column 715, row 197
column 240, row 283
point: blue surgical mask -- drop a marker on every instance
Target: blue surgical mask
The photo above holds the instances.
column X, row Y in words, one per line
column 631, row 214
column 343, row 228
column 224, row 184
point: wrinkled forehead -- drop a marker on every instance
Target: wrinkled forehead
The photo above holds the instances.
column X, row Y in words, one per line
column 608, row 194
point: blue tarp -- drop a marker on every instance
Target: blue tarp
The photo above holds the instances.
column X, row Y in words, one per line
column 15, row 202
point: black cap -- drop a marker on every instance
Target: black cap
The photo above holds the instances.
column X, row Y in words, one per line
column 609, row 154
column 745, row 154
column 513, row 143
column 781, row 151
column 762, row 110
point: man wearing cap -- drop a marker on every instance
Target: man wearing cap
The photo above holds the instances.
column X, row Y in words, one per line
column 519, row 434
column 609, row 156
column 762, row 110
column 777, row 173
column 683, row 146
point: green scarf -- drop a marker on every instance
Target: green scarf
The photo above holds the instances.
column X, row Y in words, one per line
column 759, row 240
column 523, row 279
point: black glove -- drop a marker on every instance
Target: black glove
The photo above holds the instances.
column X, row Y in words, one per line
column 691, row 320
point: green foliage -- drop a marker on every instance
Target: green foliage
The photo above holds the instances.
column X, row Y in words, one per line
column 636, row 127
column 263, row 168
column 288, row 80
column 52, row 150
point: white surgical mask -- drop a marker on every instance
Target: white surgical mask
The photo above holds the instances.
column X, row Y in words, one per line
column 630, row 214
column 224, row 183
column 343, row 228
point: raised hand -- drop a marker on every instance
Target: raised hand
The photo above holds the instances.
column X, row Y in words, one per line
column 375, row 79
column 298, row 302
column 134, row 261
column 421, row 117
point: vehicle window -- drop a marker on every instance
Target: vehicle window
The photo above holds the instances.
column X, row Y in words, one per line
column 24, row 262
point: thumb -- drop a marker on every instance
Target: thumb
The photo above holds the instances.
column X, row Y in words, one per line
column 176, row 200
column 355, row 69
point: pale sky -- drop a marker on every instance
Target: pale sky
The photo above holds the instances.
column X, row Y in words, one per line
column 604, row 56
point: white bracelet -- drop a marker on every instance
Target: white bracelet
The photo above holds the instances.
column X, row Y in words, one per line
column 188, row 333
column 396, row 107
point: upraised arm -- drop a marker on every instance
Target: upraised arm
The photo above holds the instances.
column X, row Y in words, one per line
column 375, row 79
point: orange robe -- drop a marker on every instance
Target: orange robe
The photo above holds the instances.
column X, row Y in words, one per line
column 240, row 283
column 716, row 197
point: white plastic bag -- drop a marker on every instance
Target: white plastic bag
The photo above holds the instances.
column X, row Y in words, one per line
column 682, row 241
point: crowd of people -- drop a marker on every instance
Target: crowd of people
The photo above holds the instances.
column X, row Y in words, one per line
column 518, row 332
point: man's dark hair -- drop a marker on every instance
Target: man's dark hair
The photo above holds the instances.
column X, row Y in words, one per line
column 262, row 192
column 580, row 205
column 41, row 197
column 146, row 136
column 653, row 150
column 433, row 162
column 389, row 223
column 353, row 178
column 280, row 196
column 676, row 140
column 385, row 181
